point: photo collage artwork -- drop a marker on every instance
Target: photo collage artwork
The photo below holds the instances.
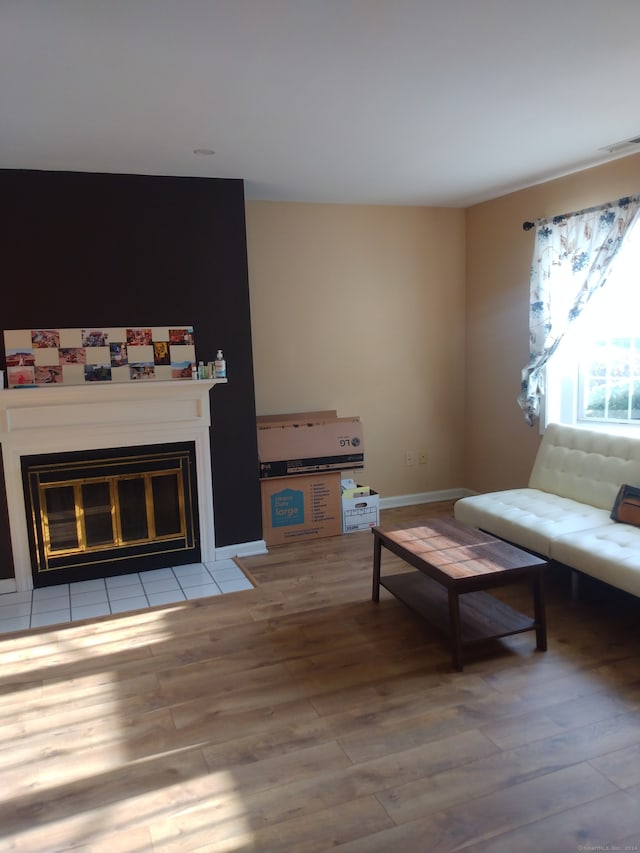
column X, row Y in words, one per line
column 39, row 357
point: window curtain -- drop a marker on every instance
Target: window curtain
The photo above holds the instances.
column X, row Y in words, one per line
column 572, row 258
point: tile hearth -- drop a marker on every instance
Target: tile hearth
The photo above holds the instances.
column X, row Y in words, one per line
column 57, row 605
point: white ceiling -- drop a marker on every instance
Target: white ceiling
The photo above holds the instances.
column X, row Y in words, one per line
column 429, row 102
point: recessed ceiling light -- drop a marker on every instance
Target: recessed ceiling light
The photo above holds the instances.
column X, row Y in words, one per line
column 205, row 152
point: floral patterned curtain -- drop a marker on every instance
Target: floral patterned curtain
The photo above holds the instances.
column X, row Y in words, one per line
column 571, row 261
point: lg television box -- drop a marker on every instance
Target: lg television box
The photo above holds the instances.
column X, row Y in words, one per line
column 301, row 507
column 306, row 443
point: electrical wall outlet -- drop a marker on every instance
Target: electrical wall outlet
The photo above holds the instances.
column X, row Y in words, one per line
column 410, row 457
column 422, row 457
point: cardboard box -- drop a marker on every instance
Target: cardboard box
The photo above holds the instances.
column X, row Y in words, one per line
column 361, row 512
column 308, row 443
column 298, row 417
column 302, row 507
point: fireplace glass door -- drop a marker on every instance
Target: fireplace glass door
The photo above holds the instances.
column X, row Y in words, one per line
column 88, row 511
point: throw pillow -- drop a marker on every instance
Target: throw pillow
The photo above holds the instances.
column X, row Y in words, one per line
column 627, row 505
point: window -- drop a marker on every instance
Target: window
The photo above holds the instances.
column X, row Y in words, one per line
column 594, row 376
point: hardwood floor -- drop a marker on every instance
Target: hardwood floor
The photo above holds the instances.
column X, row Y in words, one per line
column 301, row 717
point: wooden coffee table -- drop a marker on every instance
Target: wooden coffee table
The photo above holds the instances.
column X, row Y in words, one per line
column 451, row 560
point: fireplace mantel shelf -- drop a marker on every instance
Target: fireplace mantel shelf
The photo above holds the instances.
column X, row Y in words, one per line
column 99, row 415
column 96, row 391
column 79, row 407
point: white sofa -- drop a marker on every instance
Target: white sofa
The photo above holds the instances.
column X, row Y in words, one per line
column 564, row 513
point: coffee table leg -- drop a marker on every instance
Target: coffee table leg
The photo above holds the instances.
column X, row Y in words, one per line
column 454, row 622
column 377, row 549
column 539, row 613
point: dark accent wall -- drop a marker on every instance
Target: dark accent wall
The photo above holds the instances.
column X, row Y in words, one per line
column 82, row 249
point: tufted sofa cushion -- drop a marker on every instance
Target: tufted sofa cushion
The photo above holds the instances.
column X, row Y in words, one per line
column 610, row 553
column 528, row 517
column 585, row 465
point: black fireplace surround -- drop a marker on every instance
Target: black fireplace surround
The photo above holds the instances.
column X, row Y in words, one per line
column 81, row 249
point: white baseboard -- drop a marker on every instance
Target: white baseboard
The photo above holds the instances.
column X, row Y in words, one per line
column 421, row 498
column 8, row 585
column 244, row 549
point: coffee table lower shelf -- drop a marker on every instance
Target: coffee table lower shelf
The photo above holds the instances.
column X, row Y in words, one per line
column 482, row 616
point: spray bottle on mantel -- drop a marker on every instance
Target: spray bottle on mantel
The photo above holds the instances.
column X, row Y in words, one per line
column 220, row 366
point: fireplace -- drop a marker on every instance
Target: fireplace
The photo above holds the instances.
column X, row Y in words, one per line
column 150, row 419
column 92, row 513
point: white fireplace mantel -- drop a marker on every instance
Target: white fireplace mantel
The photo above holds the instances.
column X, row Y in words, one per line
column 101, row 415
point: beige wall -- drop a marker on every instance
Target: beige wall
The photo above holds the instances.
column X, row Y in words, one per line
column 361, row 309
column 499, row 446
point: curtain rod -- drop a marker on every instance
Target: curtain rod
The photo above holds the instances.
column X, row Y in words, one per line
column 527, row 226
